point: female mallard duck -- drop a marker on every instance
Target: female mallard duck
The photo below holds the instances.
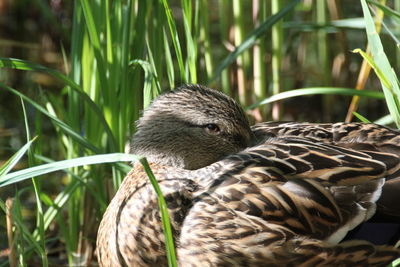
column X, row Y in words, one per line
column 271, row 195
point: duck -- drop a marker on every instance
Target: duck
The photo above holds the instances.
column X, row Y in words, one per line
column 271, row 194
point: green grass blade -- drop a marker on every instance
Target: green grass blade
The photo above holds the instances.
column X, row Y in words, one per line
column 58, row 203
column 259, row 54
column 95, row 42
column 7, row 167
column 63, row 197
column 382, row 77
column 361, row 117
column 24, row 230
column 24, row 174
column 169, row 242
column 175, row 41
column 242, row 60
column 393, row 14
column 383, row 68
column 150, row 94
column 25, row 65
column 276, row 61
column 385, row 9
column 150, row 77
column 63, row 126
column 395, row 263
column 253, row 36
column 21, row 175
column 37, row 191
column 318, row 91
column 385, row 120
column 205, row 37
column 224, row 30
column 168, row 61
column 191, row 45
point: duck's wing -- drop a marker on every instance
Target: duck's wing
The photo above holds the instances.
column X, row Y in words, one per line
column 365, row 136
column 328, row 189
column 292, row 191
column 214, row 235
column 358, row 136
column 326, row 163
column 265, row 130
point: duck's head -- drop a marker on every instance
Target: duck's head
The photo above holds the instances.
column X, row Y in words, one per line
column 191, row 127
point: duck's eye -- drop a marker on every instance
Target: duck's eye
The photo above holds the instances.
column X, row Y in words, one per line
column 212, row 128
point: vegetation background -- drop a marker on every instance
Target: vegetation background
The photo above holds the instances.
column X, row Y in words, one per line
column 76, row 74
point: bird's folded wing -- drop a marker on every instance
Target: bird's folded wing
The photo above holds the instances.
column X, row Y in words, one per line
column 314, row 189
column 215, row 235
column 328, row 131
column 357, row 136
column 284, row 158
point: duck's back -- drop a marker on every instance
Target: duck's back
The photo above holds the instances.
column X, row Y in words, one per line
column 367, row 136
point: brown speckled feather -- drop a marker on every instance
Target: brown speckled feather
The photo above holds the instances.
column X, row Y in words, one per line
column 352, row 135
column 287, row 199
column 130, row 233
column 267, row 204
column 358, row 136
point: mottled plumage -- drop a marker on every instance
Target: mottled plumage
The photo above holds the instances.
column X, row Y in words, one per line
column 286, row 200
column 210, row 124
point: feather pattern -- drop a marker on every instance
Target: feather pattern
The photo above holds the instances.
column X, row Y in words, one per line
column 287, row 200
column 292, row 191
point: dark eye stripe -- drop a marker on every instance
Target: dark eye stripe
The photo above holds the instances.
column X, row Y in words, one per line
column 192, row 125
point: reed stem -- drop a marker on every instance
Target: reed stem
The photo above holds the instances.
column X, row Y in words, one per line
column 277, row 45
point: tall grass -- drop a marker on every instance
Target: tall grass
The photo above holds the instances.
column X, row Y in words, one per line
column 277, row 51
column 122, row 55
